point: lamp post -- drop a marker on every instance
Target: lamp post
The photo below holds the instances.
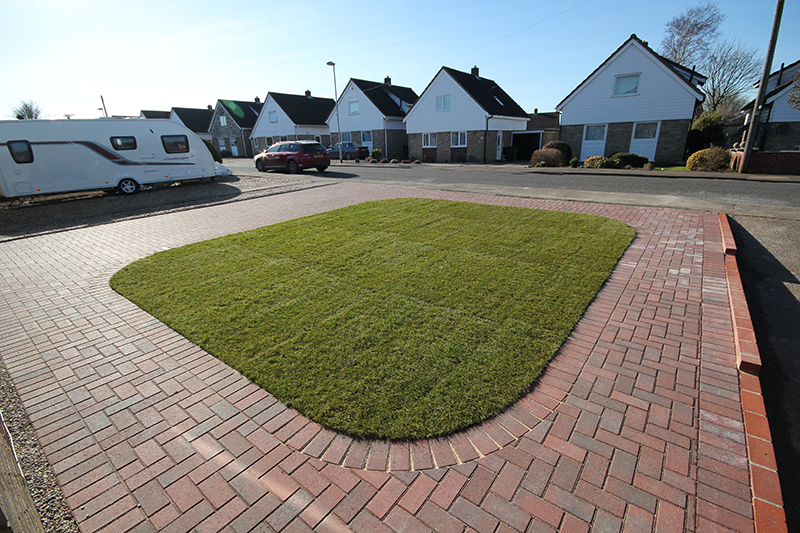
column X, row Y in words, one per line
column 336, row 104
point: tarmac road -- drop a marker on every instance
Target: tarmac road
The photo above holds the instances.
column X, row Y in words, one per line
column 766, row 223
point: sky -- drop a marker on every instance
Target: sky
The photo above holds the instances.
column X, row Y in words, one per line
column 66, row 54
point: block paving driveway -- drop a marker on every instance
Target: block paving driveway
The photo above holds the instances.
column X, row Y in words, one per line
column 637, row 425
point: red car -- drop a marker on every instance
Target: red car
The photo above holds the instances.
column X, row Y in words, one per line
column 293, row 156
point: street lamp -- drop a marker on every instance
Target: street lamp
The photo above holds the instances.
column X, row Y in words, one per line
column 336, row 104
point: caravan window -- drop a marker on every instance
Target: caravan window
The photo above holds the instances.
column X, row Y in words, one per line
column 175, row 144
column 21, row 151
column 123, row 143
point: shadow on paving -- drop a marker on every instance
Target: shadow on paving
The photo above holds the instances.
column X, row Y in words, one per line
column 774, row 311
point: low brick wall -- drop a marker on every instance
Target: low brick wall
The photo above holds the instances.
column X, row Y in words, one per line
column 787, row 162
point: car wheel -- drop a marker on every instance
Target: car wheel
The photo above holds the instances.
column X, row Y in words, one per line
column 322, row 168
column 260, row 165
column 348, row 156
column 128, row 186
column 292, row 167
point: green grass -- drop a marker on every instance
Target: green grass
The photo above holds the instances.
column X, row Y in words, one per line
column 683, row 168
column 393, row 319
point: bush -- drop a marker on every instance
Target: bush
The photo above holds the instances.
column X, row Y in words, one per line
column 650, row 166
column 574, row 163
column 562, row 147
column 626, row 159
column 551, row 157
column 599, row 161
column 225, row 153
column 214, row 152
column 394, row 161
column 377, row 153
column 712, row 159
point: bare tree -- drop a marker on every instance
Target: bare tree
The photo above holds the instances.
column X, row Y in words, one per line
column 690, row 35
column 27, row 110
column 732, row 68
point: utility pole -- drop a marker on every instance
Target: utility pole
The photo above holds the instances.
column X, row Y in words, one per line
column 755, row 116
column 104, row 106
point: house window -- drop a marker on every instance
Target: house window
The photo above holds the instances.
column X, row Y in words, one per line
column 429, row 140
column 21, row 151
column 347, row 137
column 175, row 144
column 458, row 139
column 318, row 138
column 353, row 108
column 366, row 137
column 223, row 121
column 595, row 133
column 626, row 85
column 645, row 130
column 123, row 143
column 222, row 145
column 443, row 103
column 273, row 117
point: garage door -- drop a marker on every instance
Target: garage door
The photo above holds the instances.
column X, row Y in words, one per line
column 594, row 141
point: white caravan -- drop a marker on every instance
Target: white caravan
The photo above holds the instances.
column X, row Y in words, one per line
column 57, row 156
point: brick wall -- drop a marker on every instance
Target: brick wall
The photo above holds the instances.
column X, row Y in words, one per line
column 398, row 144
column 618, row 138
column 786, row 162
column 672, row 141
column 573, row 136
column 415, row 146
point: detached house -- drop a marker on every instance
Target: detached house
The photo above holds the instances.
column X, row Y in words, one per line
column 371, row 114
column 232, row 124
column 463, row 117
column 779, row 128
column 635, row 101
column 197, row 120
column 292, row 117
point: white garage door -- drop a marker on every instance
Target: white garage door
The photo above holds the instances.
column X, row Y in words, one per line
column 594, row 141
column 645, row 139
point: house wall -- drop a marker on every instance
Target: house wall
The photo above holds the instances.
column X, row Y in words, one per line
column 464, row 115
column 661, row 95
column 769, row 162
column 367, row 119
column 229, row 131
column 443, row 152
column 671, row 139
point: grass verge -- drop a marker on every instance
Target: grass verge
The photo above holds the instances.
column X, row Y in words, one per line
column 396, row 319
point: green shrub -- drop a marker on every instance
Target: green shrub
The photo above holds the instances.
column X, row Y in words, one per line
column 626, row 159
column 225, row 153
column 377, row 153
column 574, row 163
column 562, row 147
column 551, row 157
column 214, row 152
column 598, row 161
column 710, row 159
column 649, row 166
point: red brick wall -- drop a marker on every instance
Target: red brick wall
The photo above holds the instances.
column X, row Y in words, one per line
column 770, row 162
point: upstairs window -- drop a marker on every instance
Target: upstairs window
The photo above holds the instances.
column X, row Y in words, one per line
column 458, row 139
column 273, row 117
column 223, row 121
column 176, row 144
column 626, row 85
column 429, row 140
column 21, row 151
column 443, row 103
column 123, row 143
column 352, row 108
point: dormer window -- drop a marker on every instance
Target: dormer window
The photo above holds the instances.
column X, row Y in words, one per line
column 627, row 85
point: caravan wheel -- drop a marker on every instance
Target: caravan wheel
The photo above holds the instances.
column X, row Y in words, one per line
column 128, row 186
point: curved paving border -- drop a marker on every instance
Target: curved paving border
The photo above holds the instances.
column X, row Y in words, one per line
column 637, row 424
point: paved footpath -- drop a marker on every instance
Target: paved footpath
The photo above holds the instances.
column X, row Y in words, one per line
column 637, row 425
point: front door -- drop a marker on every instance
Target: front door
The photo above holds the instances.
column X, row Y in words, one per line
column 234, row 148
column 645, row 139
column 594, row 141
column 366, row 140
column 499, row 146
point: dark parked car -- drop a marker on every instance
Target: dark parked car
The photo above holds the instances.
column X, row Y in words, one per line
column 349, row 151
column 293, row 156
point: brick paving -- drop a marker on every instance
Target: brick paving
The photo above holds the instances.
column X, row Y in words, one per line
column 637, row 425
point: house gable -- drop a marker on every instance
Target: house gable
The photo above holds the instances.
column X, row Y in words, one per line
column 293, row 115
column 664, row 91
column 365, row 116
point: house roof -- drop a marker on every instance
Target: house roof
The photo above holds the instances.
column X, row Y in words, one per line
column 487, row 94
column 381, row 94
column 682, row 73
column 543, row 121
column 784, row 70
column 243, row 113
column 304, row 109
column 155, row 114
column 197, row 120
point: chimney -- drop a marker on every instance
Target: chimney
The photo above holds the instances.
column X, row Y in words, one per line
column 387, row 80
column 209, row 107
column 258, row 100
column 475, row 71
column 535, row 110
column 308, row 94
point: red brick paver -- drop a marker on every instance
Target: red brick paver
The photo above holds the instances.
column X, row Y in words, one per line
column 638, row 423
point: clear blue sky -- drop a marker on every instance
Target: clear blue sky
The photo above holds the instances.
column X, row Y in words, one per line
column 65, row 54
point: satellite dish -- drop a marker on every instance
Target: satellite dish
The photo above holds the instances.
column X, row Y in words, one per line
column 783, row 128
